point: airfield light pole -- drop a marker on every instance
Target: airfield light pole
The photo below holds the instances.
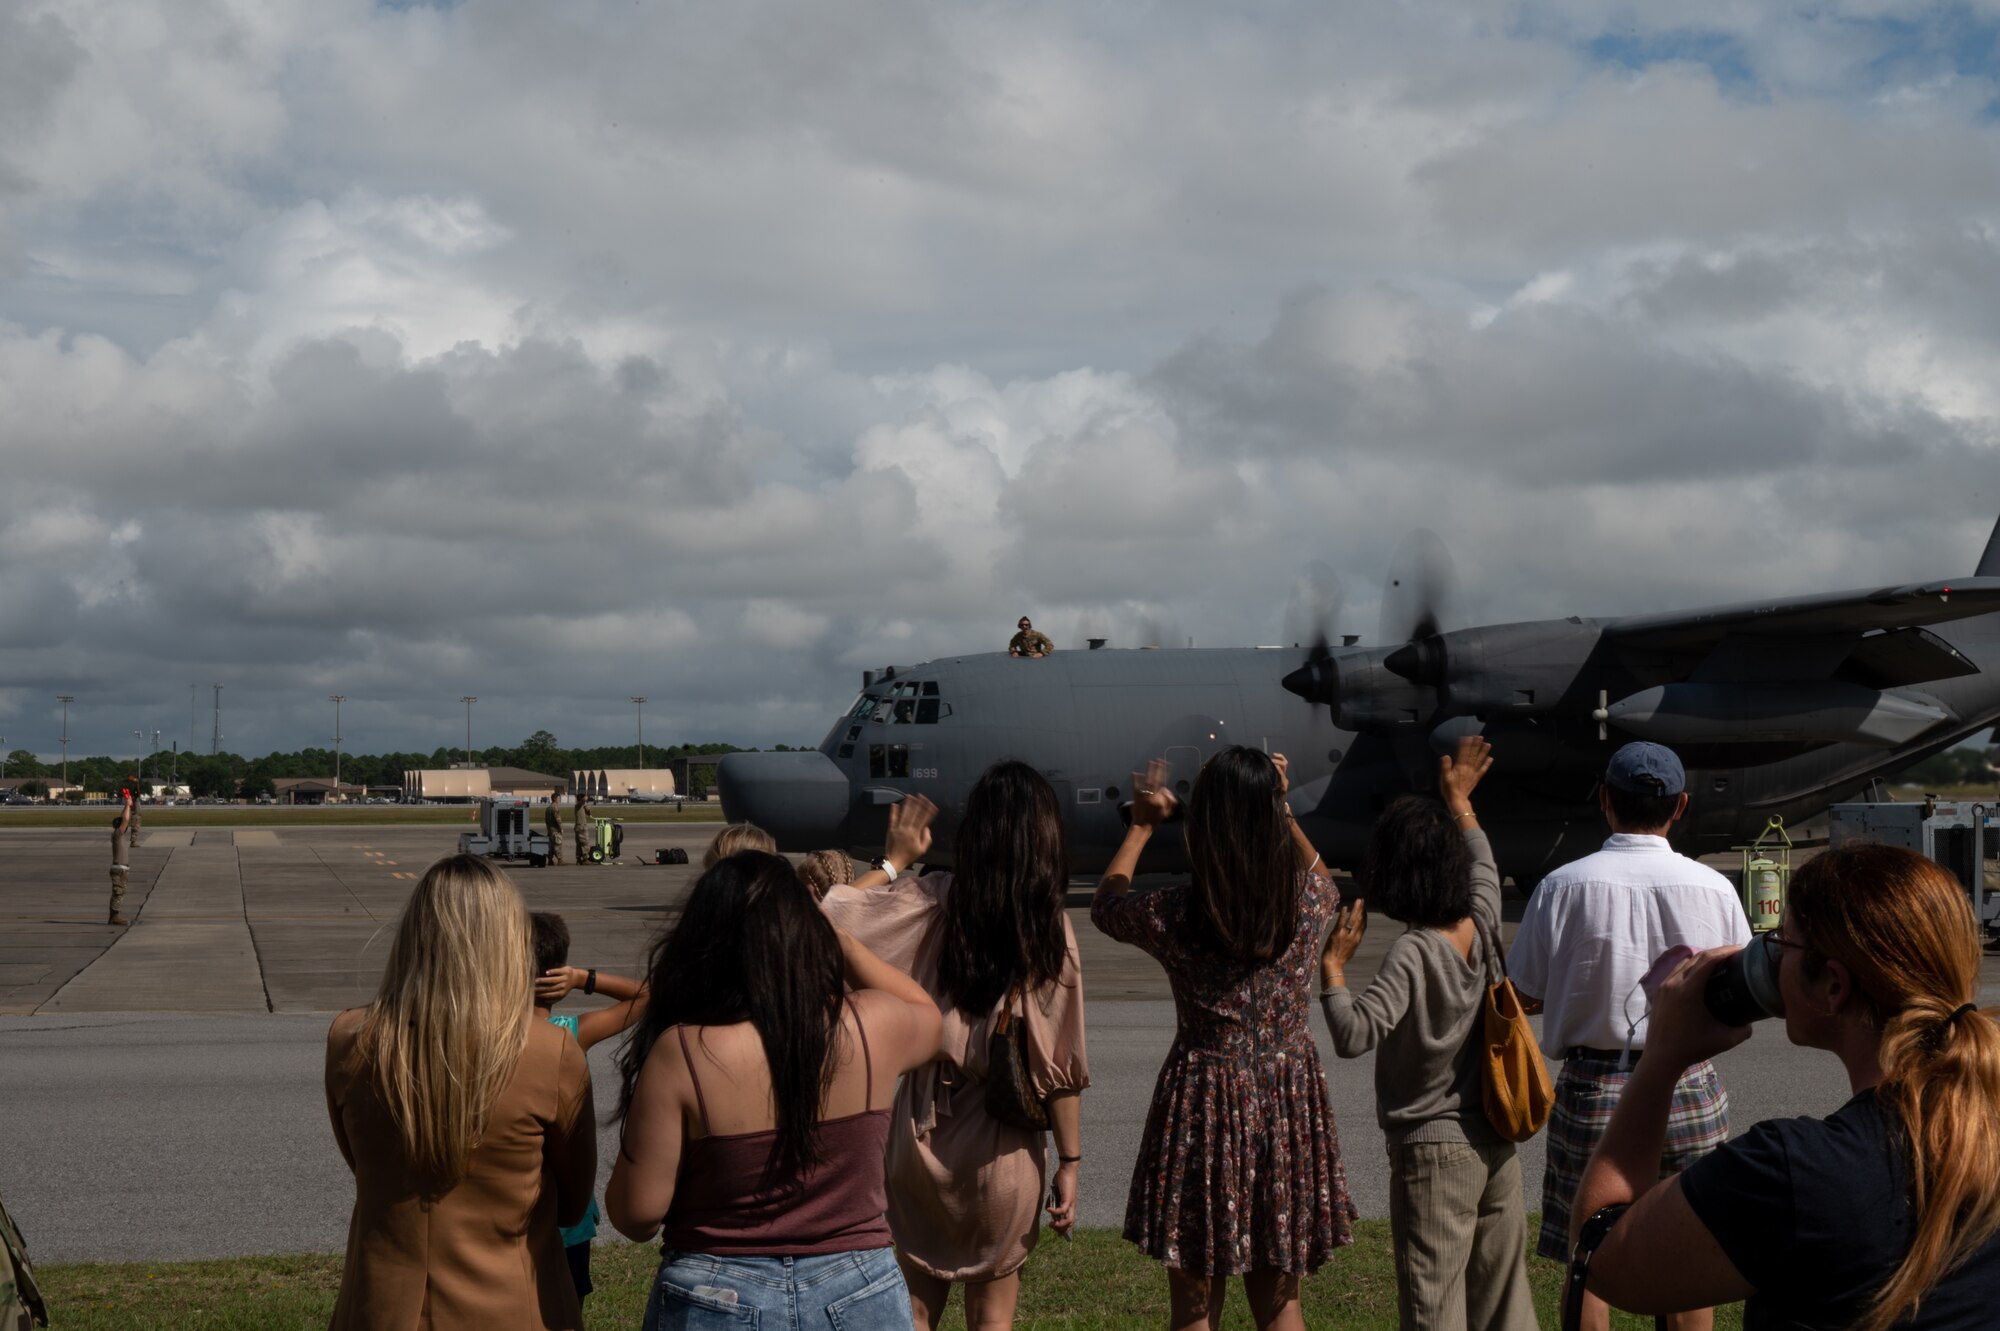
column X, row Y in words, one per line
column 336, row 699
column 639, row 701
column 139, row 777
column 215, row 734
column 65, row 699
column 468, row 700
column 192, row 694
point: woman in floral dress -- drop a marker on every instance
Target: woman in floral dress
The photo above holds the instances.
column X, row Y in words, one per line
column 1239, row 1172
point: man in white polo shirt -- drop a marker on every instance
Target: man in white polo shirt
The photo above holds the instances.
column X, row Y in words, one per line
column 1592, row 929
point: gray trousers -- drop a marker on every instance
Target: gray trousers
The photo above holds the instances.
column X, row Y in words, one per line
column 1461, row 1236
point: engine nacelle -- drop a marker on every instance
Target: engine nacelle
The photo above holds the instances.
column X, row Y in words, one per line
column 1823, row 712
column 1505, row 670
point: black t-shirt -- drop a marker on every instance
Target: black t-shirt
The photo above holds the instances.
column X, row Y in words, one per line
column 1817, row 1214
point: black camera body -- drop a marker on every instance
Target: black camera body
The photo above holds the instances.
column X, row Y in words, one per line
column 1744, row 988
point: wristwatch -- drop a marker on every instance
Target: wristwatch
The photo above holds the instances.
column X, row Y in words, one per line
column 883, row 863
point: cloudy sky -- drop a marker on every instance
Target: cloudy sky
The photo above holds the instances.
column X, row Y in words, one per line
column 559, row 352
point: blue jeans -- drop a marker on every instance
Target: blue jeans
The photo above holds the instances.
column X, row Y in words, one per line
column 842, row 1291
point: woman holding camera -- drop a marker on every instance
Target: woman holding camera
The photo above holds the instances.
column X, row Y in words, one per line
column 755, row 1104
column 1884, row 1214
column 1239, row 1170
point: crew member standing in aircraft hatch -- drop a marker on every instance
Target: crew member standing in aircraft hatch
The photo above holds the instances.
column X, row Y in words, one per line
column 552, row 822
column 1029, row 641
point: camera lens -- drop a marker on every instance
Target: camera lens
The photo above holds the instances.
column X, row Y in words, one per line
column 1745, row 987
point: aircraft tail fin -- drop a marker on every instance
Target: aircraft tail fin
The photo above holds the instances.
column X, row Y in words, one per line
column 1989, row 563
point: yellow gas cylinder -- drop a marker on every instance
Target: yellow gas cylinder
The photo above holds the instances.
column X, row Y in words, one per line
column 1767, row 894
column 1767, row 868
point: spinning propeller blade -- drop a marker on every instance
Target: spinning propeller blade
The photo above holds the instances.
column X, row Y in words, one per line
column 1416, row 603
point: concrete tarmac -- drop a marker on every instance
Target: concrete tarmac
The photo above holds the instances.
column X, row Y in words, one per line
column 162, row 1095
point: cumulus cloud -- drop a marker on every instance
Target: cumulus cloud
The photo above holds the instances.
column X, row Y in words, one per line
column 557, row 354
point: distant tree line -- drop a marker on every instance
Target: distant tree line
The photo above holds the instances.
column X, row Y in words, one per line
column 227, row 775
column 1953, row 767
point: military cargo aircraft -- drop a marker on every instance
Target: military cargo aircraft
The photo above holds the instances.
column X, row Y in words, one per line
column 1777, row 707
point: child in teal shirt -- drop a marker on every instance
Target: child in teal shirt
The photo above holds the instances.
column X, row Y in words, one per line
column 554, row 978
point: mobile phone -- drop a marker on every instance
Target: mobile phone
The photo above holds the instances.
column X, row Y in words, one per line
column 1664, row 965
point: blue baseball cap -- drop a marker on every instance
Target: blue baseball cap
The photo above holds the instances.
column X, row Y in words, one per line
column 1645, row 768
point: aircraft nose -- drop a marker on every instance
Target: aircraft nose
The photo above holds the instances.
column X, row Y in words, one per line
column 799, row 798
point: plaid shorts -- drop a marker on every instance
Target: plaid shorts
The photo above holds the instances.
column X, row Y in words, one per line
column 1586, row 1093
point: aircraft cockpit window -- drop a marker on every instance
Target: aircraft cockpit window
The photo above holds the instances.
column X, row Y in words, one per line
column 927, row 711
column 888, row 760
column 883, row 709
column 862, row 707
column 930, row 688
column 906, row 711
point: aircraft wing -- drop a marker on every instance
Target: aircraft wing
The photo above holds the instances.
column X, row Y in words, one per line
column 1835, row 613
column 1875, row 638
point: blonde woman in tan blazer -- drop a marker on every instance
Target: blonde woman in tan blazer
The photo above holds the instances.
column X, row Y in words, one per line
column 467, row 1123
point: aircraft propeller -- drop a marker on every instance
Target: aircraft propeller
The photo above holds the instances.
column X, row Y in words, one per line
column 1312, row 607
column 1310, row 611
column 1415, row 604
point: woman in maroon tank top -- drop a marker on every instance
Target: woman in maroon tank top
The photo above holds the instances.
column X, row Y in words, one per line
column 753, row 1136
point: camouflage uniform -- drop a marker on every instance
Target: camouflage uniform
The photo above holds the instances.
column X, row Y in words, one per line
column 552, row 821
column 1028, row 642
column 132, row 827
column 120, row 838
column 582, row 824
column 21, row 1306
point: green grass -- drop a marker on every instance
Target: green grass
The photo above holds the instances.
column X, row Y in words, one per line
column 1099, row 1281
column 334, row 815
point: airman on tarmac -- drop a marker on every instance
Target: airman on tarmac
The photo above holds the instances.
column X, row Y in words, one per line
column 552, row 821
column 582, row 826
column 123, row 836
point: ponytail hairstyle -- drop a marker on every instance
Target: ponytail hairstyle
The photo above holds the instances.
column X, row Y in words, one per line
column 450, row 1019
column 751, row 945
column 1239, row 841
column 1002, row 922
column 1904, row 930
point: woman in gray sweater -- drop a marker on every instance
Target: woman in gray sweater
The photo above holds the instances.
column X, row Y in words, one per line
column 1455, row 1210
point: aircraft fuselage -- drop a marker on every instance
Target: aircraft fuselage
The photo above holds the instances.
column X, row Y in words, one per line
column 1359, row 726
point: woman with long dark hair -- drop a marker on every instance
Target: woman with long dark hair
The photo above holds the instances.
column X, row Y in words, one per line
column 1886, row 1213
column 965, row 1189
column 1239, row 1171
column 754, row 1103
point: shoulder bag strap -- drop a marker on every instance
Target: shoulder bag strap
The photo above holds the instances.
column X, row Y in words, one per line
column 1489, row 936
